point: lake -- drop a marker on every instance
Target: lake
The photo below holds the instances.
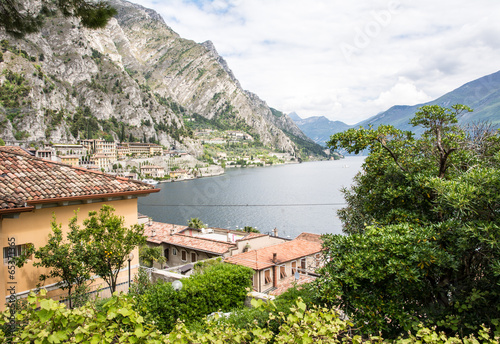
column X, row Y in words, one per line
column 293, row 198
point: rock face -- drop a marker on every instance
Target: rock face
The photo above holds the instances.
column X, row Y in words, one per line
column 135, row 78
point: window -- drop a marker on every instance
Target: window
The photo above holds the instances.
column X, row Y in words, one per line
column 294, row 267
column 267, row 276
column 184, row 256
column 317, row 257
column 174, row 251
column 14, row 251
column 282, row 271
column 193, row 257
column 303, row 265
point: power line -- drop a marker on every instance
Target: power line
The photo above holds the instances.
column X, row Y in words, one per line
column 246, row 205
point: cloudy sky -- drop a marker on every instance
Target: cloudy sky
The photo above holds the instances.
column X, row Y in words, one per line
column 346, row 60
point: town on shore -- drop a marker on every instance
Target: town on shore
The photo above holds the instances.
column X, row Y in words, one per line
column 154, row 163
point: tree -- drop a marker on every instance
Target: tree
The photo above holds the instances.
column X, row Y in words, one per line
column 107, row 243
column 149, row 255
column 63, row 258
column 249, row 229
column 423, row 228
column 195, row 223
column 18, row 20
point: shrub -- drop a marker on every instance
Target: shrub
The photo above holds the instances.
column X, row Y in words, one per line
column 220, row 287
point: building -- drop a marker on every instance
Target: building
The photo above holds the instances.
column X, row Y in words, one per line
column 178, row 174
column 139, row 148
column 102, row 147
column 101, row 161
column 62, row 149
column 277, row 267
column 183, row 245
column 72, row 160
column 152, row 171
column 32, row 190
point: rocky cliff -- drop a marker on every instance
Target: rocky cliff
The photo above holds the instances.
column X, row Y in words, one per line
column 135, row 79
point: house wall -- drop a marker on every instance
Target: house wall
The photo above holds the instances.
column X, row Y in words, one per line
column 34, row 227
column 176, row 260
column 260, row 282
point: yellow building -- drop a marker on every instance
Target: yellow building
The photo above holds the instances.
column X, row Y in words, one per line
column 32, row 190
column 72, row 160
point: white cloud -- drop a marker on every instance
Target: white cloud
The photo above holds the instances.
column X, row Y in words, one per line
column 345, row 60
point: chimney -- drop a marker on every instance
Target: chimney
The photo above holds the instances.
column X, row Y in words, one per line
column 153, row 232
column 275, row 232
column 172, row 231
column 275, row 258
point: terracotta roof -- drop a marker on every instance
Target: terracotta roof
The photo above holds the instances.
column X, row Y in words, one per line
column 26, row 180
column 162, row 235
column 287, row 251
column 252, row 236
column 15, row 150
column 310, row 237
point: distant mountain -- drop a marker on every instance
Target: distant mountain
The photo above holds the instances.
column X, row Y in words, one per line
column 482, row 95
column 135, row 79
column 318, row 128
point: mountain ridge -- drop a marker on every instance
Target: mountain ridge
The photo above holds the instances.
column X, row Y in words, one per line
column 482, row 95
column 135, row 79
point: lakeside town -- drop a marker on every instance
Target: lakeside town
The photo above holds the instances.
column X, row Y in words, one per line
column 154, row 163
column 27, row 204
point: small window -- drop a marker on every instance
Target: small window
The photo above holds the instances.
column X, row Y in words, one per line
column 174, row 251
column 267, row 276
column 303, row 265
column 184, row 256
column 282, row 271
column 14, row 251
column 294, row 267
column 194, row 257
column 317, row 257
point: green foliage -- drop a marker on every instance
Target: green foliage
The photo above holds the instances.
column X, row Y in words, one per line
column 13, row 90
column 218, row 287
column 195, row 223
column 107, row 243
column 18, row 22
column 249, row 229
column 149, row 255
column 116, row 321
column 64, row 259
column 47, row 321
column 84, row 124
column 2, row 142
column 423, row 229
column 140, row 283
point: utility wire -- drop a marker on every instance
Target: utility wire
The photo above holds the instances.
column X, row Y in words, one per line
column 245, row 205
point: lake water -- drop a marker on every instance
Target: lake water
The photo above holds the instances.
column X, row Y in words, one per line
column 292, row 198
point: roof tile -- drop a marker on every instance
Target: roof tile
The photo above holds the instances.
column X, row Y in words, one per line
column 26, row 178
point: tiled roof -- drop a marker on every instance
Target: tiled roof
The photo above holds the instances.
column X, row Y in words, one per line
column 287, row 251
column 162, row 235
column 25, row 180
column 252, row 236
column 15, row 150
column 310, row 237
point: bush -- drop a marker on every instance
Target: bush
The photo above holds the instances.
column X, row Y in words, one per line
column 220, row 287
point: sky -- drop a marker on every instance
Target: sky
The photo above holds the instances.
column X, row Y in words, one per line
column 345, row 60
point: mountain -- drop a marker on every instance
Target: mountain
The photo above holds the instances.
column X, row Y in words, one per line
column 135, row 79
column 482, row 95
column 318, row 128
